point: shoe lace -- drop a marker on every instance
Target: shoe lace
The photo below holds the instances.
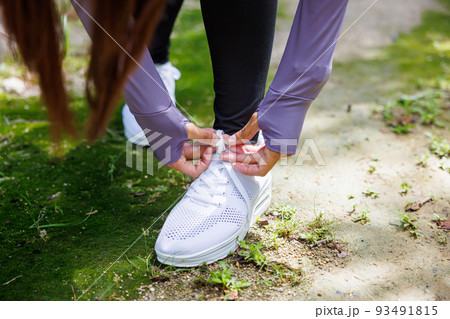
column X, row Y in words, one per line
column 209, row 188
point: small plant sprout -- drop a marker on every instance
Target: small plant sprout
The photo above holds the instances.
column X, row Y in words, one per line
column 405, row 188
column 351, row 196
column 224, row 278
column 442, row 239
column 423, row 160
column 275, row 240
column 362, row 217
column 353, row 209
column 408, row 223
column 423, row 108
column 374, row 158
column 444, row 165
column 284, row 211
column 440, row 147
column 372, row 168
column 252, row 252
column 318, row 229
column 408, row 205
column 437, row 217
column 402, row 129
column 370, row 193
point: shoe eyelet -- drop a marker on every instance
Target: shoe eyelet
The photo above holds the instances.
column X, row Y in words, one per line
column 228, row 182
column 224, row 193
column 219, row 205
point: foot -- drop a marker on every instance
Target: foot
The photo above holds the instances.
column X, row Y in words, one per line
column 216, row 212
column 133, row 132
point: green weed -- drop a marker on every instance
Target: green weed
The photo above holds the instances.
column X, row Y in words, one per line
column 408, row 224
column 353, row 209
column 370, row 193
column 438, row 146
column 318, row 229
column 372, row 168
column 444, row 165
column 252, row 252
column 442, row 239
column 405, row 188
column 403, row 113
column 362, row 217
column 224, row 278
column 5, row 127
column 284, row 211
column 423, row 160
column 112, row 164
column 402, row 128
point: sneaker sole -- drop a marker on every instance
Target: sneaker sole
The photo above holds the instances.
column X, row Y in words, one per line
column 223, row 249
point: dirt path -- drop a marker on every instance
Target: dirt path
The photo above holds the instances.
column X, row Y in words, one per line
column 378, row 27
column 384, row 262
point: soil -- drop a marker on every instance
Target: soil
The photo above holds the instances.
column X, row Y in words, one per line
column 384, row 263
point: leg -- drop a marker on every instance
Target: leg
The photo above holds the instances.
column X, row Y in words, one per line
column 240, row 37
column 159, row 48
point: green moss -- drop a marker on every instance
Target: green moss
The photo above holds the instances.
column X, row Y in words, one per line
column 415, row 58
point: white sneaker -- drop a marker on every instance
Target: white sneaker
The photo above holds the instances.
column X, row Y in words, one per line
column 169, row 74
column 133, row 132
column 217, row 210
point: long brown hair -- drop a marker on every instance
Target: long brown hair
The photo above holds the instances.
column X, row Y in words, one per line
column 35, row 28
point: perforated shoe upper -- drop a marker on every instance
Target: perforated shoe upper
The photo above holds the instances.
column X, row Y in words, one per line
column 215, row 208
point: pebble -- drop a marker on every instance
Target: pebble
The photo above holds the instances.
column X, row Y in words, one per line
column 14, row 85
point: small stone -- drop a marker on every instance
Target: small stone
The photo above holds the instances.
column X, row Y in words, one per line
column 14, row 85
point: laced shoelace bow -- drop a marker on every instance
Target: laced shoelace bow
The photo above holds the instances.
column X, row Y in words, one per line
column 209, row 188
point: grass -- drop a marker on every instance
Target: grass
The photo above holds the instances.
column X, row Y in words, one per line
column 423, row 160
column 225, row 279
column 416, row 59
column 362, row 218
column 438, row 146
column 317, row 230
column 405, row 188
column 370, row 193
column 252, row 252
column 425, row 108
column 408, row 223
column 372, row 168
column 76, row 248
column 287, row 225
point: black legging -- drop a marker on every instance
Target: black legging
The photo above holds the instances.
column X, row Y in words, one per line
column 159, row 49
column 240, row 37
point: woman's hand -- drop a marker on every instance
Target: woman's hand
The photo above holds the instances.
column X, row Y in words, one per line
column 249, row 159
column 203, row 150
